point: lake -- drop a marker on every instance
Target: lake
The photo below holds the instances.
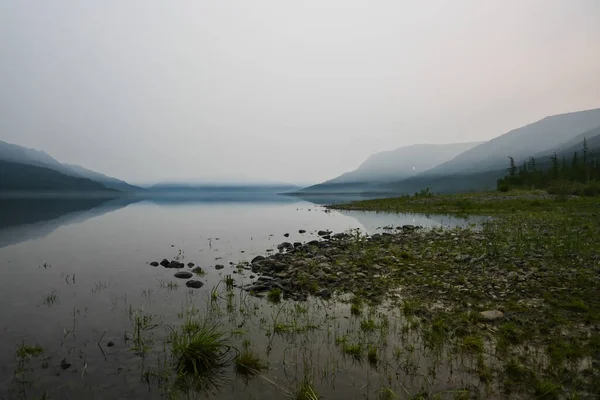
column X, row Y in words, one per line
column 75, row 280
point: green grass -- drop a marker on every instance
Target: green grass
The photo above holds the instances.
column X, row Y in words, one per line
column 307, row 392
column 353, row 350
column 249, row 363
column 24, row 351
column 200, row 348
column 274, row 295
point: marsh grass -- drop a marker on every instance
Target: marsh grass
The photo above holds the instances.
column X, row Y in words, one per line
column 51, row 298
column 25, row 351
column 200, row 350
column 248, row 363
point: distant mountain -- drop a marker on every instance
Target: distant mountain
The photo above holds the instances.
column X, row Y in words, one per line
column 109, row 182
column 391, row 166
column 17, row 177
column 567, row 149
column 23, row 155
column 538, row 137
column 219, row 188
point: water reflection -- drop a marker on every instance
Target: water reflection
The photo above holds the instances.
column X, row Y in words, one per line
column 31, row 218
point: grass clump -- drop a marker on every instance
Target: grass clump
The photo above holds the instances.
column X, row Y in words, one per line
column 248, row 363
column 307, row 392
column 200, row 348
column 368, row 325
column 473, row 344
column 25, row 351
column 274, row 295
column 372, row 356
column 353, row 350
column 547, row 390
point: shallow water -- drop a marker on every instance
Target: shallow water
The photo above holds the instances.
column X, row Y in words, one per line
column 73, row 272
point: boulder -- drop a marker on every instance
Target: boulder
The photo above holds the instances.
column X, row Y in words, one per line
column 175, row 264
column 257, row 259
column 491, row 315
column 194, row 284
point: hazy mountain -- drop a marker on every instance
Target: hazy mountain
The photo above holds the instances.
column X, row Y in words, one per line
column 23, row 155
column 109, row 182
column 392, row 166
column 538, row 137
column 219, row 188
column 17, row 177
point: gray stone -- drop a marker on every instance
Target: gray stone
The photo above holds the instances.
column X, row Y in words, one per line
column 194, row 284
column 491, row 315
column 257, row 259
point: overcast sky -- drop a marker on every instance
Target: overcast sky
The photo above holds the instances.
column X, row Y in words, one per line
column 292, row 91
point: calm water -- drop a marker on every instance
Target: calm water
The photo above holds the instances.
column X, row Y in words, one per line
column 73, row 271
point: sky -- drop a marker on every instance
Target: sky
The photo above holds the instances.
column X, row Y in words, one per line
column 281, row 90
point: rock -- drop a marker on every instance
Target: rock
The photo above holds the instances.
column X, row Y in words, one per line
column 197, row 270
column 408, row 227
column 491, row 315
column 164, row 262
column 64, row 364
column 323, row 233
column 324, row 293
column 512, row 275
column 326, row 237
column 154, row 264
column 297, row 244
column 257, row 259
column 265, row 278
column 175, row 264
column 286, row 234
column 219, row 266
column 301, row 231
column 191, row 264
column 194, row 284
column 110, row 344
column 183, row 275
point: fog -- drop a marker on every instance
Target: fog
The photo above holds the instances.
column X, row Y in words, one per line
column 282, row 91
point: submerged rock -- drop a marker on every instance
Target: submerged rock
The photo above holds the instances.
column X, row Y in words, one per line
column 154, row 264
column 183, row 275
column 257, row 259
column 491, row 315
column 194, row 284
column 175, row 264
column 197, row 270
column 191, row 264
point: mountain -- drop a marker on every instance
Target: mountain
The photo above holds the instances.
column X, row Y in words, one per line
column 219, row 188
column 109, row 182
column 390, row 166
column 538, row 137
column 23, row 155
column 567, row 149
column 17, row 177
